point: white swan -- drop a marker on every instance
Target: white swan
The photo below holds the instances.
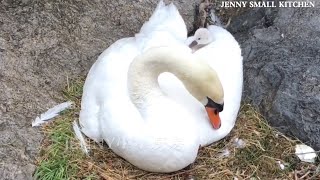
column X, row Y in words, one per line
column 162, row 134
column 164, row 27
column 225, row 57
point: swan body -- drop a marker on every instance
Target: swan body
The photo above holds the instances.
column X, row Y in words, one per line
column 164, row 27
column 149, row 129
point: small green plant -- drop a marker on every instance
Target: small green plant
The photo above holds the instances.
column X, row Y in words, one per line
column 57, row 152
column 60, row 154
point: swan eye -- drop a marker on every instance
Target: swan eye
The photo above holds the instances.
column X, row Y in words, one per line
column 199, row 38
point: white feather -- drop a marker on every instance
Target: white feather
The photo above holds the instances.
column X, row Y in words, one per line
column 306, row 153
column 51, row 113
column 80, row 137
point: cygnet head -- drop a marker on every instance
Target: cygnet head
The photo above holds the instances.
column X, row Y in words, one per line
column 201, row 38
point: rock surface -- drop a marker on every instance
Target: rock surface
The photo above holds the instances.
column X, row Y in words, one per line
column 42, row 43
column 282, row 68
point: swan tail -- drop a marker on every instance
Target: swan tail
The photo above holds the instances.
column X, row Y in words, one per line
column 166, row 18
column 90, row 125
column 51, row 113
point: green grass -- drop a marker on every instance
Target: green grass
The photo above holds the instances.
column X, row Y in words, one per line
column 56, row 157
column 60, row 155
column 61, row 158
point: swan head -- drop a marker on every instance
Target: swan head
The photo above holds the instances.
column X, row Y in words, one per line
column 201, row 38
column 214, row 99
column 208, row 90
column 213, row 110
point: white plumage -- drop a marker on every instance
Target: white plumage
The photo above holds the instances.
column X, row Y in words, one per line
column 51, row 113
column 168, row 139
column 79, row 136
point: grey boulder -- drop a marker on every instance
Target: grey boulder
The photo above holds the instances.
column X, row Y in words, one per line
column 281, row 50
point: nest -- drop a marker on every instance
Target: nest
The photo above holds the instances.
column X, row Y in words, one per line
column 253, row 149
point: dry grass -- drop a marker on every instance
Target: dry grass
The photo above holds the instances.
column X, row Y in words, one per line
column 264, row 148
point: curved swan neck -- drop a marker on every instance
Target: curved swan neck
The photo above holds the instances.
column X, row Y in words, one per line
column 144, row 71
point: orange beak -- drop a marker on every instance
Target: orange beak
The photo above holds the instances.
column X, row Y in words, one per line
column 213, row 115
